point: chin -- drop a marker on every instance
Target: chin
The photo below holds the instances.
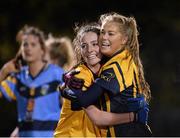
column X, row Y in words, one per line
column 92, row 63
column 106, row 52
column 29, row 60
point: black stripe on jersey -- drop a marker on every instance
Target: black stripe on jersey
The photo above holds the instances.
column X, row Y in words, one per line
column 103, row 103
column 108, row 132
column 45, row 89
column 75, row 106
column 37, row 125
column 120, row 70
column 137, row 88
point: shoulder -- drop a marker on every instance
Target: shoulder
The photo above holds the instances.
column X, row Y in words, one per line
column 55, row 68
column 54, row 71
column 85, row 74
column 84, row 70
column 22, row 72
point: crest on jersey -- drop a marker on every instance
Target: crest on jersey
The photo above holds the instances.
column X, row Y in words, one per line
column 22, row 89
column 107, row 76
column 44, row 89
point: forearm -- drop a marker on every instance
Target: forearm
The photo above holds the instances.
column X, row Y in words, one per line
column 90, row 96
column 102, row 118
column 3, row 74
column 7, row 69
column 85, row 98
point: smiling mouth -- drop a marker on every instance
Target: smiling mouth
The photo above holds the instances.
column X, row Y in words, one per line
column 91, row 56
column 105, row 44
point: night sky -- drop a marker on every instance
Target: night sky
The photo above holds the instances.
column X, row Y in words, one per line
column 159, row 26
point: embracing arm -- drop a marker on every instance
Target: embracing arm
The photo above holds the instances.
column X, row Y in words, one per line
column 102, row 118
column 90, row 96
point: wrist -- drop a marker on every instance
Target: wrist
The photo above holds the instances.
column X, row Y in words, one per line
column 132, row 117
column 4, row 71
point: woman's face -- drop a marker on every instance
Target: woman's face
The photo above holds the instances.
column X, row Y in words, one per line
column 111, row 39
column 31, row 49
column 90, row 48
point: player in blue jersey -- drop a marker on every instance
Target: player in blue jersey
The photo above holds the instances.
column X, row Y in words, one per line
column 34, row 87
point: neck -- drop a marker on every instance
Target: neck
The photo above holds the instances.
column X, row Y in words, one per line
column 95, row 68
column 36, row 67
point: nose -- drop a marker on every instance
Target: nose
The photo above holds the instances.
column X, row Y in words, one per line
column 27, row 48
column 89, row 48
column 105, row 36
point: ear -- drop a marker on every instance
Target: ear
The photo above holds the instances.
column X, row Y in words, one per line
column 124, row 40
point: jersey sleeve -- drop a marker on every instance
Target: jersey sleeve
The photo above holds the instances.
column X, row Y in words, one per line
column 8, row 88
column 85, row 74
column 108, row 80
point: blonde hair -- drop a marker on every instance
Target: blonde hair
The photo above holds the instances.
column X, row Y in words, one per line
column 60, row 49
column 30, row 30
column 128, row 27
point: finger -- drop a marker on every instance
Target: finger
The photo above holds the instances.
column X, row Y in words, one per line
column 77, row 80
column 76, row 85
column 74, row 72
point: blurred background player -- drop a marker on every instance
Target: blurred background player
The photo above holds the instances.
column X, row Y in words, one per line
column 60, row 51
column 34, row 87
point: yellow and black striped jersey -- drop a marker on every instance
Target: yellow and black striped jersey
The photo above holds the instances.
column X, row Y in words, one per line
column 118, row 76
column 76, row 123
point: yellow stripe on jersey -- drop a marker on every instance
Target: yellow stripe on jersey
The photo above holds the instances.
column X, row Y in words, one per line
column 9, row 92
column 108, row 106
column 118, row 76
column 12, row 79
column 85, row 73
column 137, row 78
column 123, row 67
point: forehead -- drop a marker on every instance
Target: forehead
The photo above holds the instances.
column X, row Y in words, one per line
column 89, row 36
column 29, row 37
column 111, row 25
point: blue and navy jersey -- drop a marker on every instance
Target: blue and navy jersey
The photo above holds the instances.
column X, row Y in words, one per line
column 38, row 101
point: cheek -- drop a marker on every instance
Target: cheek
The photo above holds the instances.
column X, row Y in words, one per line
column 98, row 51
column 41, row 53
column 83, row 52
column 100, row 55
column 100, row 39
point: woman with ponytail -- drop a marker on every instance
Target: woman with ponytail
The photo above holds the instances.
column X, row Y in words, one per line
column 120, row 83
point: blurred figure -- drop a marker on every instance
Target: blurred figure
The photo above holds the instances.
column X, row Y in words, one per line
column 60, row 52
column 34, row 87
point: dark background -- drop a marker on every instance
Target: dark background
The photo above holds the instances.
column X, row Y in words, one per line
column 159, row 27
